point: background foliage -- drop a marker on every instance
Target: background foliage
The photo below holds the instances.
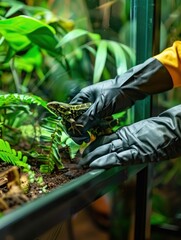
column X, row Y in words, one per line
column 49, row 52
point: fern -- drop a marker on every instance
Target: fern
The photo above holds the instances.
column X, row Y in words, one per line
column 54, row 134
column 9, row 155
column 15, row 98
column 15, row 108
column 51, row 137
column 16, row 113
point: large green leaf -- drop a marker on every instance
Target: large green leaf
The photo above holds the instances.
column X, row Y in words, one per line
column 100, row 60
column 44, row 39
column 23, row 25
column 22, row 30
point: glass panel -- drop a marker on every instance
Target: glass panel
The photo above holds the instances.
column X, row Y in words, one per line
column 166, row 191
column 170, row 32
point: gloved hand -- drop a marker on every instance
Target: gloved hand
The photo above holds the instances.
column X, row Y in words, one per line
column 151, row 140
column 112, row 96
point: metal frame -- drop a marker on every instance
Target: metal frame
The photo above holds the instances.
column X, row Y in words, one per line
column 36, row 217
column 147, row 16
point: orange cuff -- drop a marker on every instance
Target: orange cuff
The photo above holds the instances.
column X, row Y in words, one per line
column 171, row 59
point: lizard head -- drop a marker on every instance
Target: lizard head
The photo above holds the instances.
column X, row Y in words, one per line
column 59, row 108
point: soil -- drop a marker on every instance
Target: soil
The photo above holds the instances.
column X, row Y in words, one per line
column 37, row 189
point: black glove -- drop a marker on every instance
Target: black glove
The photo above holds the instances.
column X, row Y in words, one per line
column 151, row 140
column 112, row 96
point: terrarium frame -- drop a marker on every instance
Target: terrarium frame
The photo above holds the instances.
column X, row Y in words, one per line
column 36, row 217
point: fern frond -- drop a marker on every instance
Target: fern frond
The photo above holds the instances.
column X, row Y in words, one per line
column 15, row 98
column 51, row 138
column 46, row 168
column 9, row 155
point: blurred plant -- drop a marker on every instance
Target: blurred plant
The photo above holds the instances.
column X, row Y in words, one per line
column 40, row 51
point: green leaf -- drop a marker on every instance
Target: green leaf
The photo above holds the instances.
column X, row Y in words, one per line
column 15, row 98
column 10, row 53
column 120, row 56
column 30, row 60
column 15, row 8
column 44, row 39
column 100, row 60
column 46, row 168
column 158, row 218
column 22, row 30
column 73, row 147
column 9, row 155
column 23, row 25
column 51, row 133
column 17, row 41
column 131, row 54
column 91, row 50
column 76, row 33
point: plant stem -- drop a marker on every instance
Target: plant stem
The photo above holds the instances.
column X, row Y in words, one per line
column 15, row 76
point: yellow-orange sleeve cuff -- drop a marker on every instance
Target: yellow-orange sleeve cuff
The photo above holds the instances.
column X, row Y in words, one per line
column 171, row 59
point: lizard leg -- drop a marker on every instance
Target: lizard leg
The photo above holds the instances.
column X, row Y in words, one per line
column 74, row 126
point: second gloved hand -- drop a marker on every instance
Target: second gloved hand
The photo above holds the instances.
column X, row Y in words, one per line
column 151, row 140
